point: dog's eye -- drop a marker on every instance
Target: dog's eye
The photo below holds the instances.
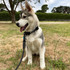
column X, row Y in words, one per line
column 24, row 16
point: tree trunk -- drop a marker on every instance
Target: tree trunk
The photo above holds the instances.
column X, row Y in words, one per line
column 13, row 17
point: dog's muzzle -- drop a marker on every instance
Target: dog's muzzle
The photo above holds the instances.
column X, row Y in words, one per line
column 17, row 24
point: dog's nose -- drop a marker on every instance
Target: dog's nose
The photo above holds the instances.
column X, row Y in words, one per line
column 17, row 24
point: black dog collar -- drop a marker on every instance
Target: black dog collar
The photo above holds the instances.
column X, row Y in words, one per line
column 28, row 33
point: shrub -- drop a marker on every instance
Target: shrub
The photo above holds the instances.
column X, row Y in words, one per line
column 4, row 16
column 53, row 16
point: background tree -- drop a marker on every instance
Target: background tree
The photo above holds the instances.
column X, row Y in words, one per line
column 2, row 7
column 61, row 9
column 13, row 5
column 66, row 10
column 44, row 9
column 54, row 10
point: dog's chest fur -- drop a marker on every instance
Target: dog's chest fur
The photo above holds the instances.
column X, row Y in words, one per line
column 33, row 41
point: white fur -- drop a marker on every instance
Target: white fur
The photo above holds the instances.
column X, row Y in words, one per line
column 22, row 22
column 42, row 58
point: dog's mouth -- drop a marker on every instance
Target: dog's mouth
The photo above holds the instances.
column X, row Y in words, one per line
column 23, row 28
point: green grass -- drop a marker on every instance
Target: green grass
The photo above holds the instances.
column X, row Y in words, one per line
column 61, row 29
column 54, row 64
column 68, row 43
column 11, row 30
column 8, row 31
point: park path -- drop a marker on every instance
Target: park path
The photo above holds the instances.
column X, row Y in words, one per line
column 55, row 22
column 45, row 22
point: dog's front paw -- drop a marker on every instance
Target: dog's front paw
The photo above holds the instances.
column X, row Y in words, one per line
column 24, row 58
column 29, row 63
column 42, row 66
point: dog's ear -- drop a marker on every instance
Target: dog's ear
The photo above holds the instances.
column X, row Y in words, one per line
column 28, row 7
column 21, row 6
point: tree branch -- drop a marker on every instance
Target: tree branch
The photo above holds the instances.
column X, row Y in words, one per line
column 6, row 6
column 16, row 5
column 11, row 4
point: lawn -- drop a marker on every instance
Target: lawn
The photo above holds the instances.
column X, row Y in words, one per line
column 57, row 43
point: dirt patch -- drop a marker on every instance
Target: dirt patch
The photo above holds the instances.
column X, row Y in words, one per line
column 57, row 48
column 8, row 49
column 3, row 66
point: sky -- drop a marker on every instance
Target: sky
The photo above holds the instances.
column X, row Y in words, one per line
column 56, row 3
column 50, row 3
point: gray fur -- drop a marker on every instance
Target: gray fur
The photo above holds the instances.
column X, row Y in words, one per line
column 26, row 13
column 42, row 37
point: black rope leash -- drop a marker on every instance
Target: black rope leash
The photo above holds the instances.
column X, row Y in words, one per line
column 24, row 40
column 24, row 44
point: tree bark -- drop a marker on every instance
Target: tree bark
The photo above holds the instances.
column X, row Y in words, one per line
column 13, row 16
column 12, row 12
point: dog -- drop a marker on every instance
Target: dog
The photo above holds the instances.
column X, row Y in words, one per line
column 35, row 41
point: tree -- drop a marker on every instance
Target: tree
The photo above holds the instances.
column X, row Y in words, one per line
column 2, row 7
column 67, row 10
column 61, row 9
column 13, row 5
column 44, row 8
column 54, row 10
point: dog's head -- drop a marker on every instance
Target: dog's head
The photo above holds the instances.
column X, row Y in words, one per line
column 28, row 20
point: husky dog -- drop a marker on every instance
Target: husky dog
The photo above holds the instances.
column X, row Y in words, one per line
column 35, row 41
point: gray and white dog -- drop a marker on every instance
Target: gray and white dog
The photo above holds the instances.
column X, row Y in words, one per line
column 35, row 41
